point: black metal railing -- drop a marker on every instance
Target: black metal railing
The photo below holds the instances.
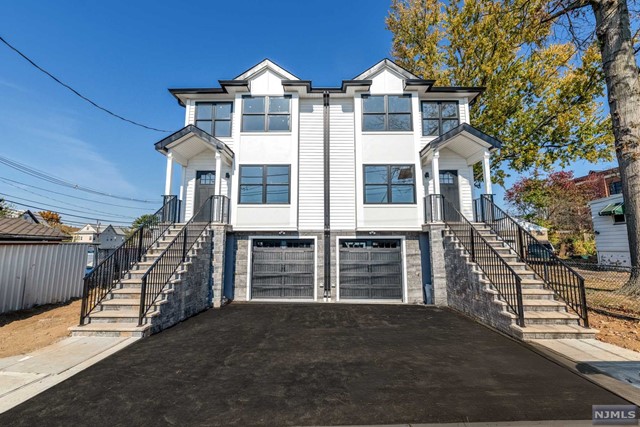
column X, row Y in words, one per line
column 105, row 276
column 563, row 280
column 504, row 279
column 433, row 208
column 214, row 209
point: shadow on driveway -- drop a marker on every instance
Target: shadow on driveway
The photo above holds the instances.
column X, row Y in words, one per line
column 310, row 364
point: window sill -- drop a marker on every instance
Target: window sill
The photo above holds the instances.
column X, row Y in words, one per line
column 243, row 133
column 388, row 132
column 264, row 205
column 389, row 205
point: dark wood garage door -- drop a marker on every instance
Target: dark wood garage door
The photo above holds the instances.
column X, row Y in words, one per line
column 282, row 269
column 371, row 269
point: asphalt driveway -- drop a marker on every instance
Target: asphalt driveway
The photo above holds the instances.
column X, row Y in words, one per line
column 317, row 364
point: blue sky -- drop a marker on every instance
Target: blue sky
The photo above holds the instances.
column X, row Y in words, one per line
column 124, row 55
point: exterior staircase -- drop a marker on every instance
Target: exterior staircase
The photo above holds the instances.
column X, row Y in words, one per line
column 118, row 313
column 545, row 315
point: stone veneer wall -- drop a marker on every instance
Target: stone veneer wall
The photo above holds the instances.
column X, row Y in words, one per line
column 192, row 294
column 467, row 294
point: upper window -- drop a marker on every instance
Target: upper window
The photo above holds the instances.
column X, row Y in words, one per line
column 439, row 117
column 266, row 113
column 386, row 112
column 389, row 184
column 264, row 184
column 214, row 117
column 615, row 187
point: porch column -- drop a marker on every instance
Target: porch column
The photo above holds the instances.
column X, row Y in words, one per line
column 435, row 170
column 218, row 188
column 486, row 173
column 169, row 178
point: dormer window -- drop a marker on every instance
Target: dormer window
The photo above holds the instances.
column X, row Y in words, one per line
column 386, row 113
column 214, row 118
column 266, row 113
column 439, row 117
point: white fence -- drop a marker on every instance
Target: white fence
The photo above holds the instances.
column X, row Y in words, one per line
column 35, row 274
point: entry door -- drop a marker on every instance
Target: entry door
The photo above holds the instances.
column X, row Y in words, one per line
column 371, row 269
column 282, row 269
column 449, row 187
column 205, row 187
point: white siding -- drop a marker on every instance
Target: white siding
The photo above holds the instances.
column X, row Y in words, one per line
column 612, row 241
column 311, row 154
column 452, row 161
column 464, row 111
column 343, row 176
column 40, row 274
column 190, row 113
column 203, row 161
column 387, row 82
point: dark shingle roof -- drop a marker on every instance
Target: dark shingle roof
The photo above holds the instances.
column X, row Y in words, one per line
column 19, row 229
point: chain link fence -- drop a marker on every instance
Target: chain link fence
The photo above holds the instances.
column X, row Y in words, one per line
column 603, row 285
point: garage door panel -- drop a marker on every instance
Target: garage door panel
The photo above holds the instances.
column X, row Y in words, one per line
column 371, row 269
column 283, row 269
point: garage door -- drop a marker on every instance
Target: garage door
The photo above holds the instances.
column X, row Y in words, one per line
column 282, row 269
column 371, row 269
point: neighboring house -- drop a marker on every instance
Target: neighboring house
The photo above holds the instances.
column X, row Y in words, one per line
column 32, row 217
column 539, row 232
column 87, row 234
column 111, row 237
column 610, row 228
column 20, row 230
column 608, row 179
column 335, row 194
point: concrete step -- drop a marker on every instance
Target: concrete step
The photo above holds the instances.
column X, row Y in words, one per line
column 529, row 293
column 543, row 305
column 111, row 330
column 554, row 332
column 134, row 293
column 533, row 318
column 120, row 316
column 115, row 304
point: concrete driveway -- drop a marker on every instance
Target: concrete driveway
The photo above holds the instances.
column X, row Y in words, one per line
column 317, row 364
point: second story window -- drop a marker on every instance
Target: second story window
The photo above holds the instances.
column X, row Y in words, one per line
column 214, row 117
column 385, row 184
column 439, row 117
column 615, row 188
column 266, row 113
column 386, row 113
column 264, row 184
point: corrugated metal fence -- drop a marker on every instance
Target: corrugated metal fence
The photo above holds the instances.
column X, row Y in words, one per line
column 35, row 274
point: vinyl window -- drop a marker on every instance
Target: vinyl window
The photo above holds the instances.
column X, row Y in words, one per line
column 439, row 117
column 389, row 184
column 386, row 113
column 265, row 184
column 214, row 117
column 266, row 113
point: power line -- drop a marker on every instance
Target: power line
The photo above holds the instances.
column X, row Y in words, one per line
column 78, row 93
column 67, row 214
column 8, row 181
column 58, row 207
column 59, row 181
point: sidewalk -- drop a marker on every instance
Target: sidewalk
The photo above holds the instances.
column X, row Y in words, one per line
column 613, row 367
column 24, row 376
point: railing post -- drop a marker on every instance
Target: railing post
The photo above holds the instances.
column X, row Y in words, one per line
column 141, row 231
column 184, row 243
column 85, row 294
column 521, row 244
column 483, row 218
column 143, row 292
column 472, row 245
column 520, row 303
column 583, row 302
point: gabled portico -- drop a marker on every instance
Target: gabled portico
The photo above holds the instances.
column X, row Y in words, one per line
column 203, row 158
column 448, row 162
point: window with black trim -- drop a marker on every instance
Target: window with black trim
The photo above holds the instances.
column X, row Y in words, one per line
column 265, row 184
column 615, row 188
column 439, row 117
column 266, row 113
column 214, row 117
column 386, row 113
column 389, row 184
column 619, row 219
column 206, row 177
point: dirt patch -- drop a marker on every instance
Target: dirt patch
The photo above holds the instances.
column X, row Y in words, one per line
column 623, row 333
column 28, row 330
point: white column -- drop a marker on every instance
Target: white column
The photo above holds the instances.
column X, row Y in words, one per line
column 169, row 178
column 435, row 170
column 183, row 179
column 218, row 188
column 486, row 173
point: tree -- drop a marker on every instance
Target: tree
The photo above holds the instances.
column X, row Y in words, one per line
column 52, row 218
column 5, row 208
column 516, row 43
column 145, row 219
column 556, row 202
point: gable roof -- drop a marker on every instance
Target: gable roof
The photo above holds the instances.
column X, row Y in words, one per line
column 163, row 144
column 19, row 229
column 388, row 64
column 263, row 65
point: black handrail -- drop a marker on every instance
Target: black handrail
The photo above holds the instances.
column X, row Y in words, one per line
column 214, row 209
column 433, row 208
column 105, row 276
column 564, row 281
column 502, row 276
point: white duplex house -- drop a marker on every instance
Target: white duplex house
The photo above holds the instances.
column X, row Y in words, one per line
column 355, row 193
column 330, row 180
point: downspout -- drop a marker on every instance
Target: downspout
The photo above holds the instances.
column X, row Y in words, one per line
column 327, row 188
